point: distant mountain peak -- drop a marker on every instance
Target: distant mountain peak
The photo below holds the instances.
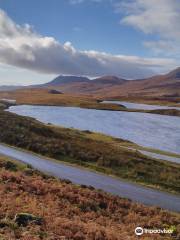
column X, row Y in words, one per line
column 66, row 79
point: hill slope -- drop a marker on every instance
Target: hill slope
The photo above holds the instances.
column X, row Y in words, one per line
column 112, row 86
column 167, row 86
column 63, row 210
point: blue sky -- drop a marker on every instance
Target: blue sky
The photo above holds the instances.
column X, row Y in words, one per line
column 87, row 37
column 88, row 25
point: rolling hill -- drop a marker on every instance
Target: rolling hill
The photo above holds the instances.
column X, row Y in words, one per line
column 165, row 86
column 112, row 86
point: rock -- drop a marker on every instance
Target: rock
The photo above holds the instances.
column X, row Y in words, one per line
column 53, row 91
column 23, row 219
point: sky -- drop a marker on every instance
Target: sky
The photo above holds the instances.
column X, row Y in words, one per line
column 127, row 38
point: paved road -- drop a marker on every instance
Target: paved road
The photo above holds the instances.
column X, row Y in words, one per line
column 109, row 184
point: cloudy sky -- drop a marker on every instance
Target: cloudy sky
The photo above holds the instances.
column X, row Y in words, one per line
column 129, row 38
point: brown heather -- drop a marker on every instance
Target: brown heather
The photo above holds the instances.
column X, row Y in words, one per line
column 69, row 210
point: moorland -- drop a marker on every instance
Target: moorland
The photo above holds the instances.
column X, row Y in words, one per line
column 36, row 206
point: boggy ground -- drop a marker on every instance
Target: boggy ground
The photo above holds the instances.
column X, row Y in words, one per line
column 68, row 211
column 100, row 153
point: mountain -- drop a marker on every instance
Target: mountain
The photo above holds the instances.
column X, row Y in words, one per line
column 160, row 85
column 82, row 85
column 66, row 80
column 112, row 86
column 61, row 80
column 167, row 85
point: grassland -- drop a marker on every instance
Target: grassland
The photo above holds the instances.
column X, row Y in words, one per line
column 62, row 210
column 86, row 149
column 161, row 101
column 44, row 97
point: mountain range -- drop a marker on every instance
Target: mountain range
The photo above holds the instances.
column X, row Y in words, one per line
column 111, row 86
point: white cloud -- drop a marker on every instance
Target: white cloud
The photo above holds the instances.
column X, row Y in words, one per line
column 76, row 1
column 82, row 1
column 22, row 47
column 160, row 17
column 164, row 47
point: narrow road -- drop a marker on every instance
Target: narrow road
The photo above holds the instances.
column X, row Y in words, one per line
column 99, row 181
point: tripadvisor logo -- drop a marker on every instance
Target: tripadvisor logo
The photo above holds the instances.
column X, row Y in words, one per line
column 139, row 230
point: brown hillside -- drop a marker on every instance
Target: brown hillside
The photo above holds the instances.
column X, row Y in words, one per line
column 110, row 86
column 67, row 211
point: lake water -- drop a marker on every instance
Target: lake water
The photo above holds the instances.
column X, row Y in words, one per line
column 140, row 105
column 149, row 130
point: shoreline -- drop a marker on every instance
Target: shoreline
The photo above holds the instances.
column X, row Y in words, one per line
column 111, row 107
